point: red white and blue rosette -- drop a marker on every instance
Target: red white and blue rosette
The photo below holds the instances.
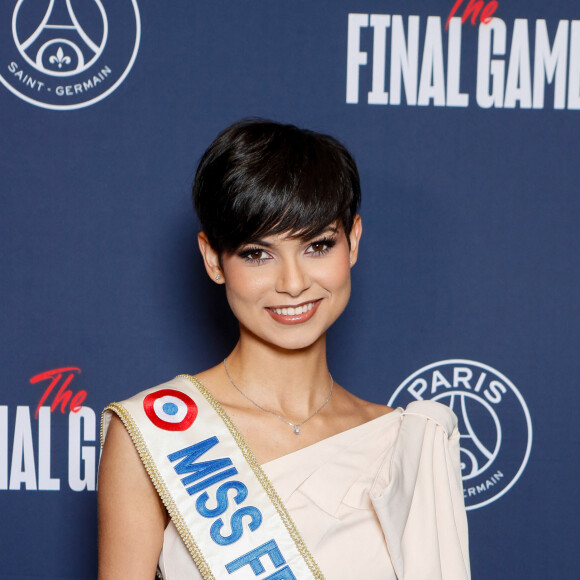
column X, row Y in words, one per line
column 170, row 410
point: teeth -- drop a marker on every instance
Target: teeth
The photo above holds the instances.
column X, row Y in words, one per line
column 294, row 311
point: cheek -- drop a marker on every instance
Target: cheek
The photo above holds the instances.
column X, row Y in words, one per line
column 337, row 276
column 343, row 288
column 337, row 283
column 243, row 287
column 251, row 284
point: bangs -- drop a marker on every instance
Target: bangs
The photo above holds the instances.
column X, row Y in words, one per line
column 301, row 197
column 275, row 179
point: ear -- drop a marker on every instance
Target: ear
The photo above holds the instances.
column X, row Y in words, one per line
column 211, row 259
column 354, row 236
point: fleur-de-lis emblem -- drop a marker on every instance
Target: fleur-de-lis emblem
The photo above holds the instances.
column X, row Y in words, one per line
column 59, row 58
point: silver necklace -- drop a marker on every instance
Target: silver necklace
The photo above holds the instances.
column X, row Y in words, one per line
column 295, row 426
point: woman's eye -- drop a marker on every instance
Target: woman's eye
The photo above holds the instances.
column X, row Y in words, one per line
column 255, row 255
column 318, row 247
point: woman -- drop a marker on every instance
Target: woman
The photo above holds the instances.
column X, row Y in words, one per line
column 366, row 491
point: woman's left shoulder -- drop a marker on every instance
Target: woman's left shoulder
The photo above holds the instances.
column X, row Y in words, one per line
column 364, row 410
column 375, row 410
column 441, row 414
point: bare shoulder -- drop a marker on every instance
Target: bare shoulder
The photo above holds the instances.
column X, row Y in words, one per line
column 212, row 380
column 364, row 410
column 118, row 442
column 131, row 516
column 209, row 375
column 120, row 463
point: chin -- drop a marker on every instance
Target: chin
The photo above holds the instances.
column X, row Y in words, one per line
column 298, row 338
column 297, row 344
column 289, row 339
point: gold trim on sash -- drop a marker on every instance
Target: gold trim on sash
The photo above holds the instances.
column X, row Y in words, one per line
column 172, row 508
column 262, row 478
column 160, row 486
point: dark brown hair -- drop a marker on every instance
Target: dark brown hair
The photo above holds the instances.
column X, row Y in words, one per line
column 261, row 178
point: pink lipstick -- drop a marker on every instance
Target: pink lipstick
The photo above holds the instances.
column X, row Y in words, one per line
column 294, row 314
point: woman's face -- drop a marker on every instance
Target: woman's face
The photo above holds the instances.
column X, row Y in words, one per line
column 288, row 291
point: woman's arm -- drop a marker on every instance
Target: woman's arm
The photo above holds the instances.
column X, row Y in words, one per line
column 132, row 517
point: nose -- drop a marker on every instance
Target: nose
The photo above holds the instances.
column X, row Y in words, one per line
column 293, row 278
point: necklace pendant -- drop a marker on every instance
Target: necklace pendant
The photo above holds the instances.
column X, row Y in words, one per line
column 296, row 428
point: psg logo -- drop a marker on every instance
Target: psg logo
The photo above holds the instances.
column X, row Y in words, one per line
column 493, row 418
column 67, row 54
column 170, row 410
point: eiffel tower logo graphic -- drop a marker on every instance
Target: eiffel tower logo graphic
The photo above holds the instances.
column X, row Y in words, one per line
column 476, row 454
column 59, row 45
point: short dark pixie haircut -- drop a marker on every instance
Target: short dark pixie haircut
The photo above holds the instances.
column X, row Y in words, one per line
column 261, row 178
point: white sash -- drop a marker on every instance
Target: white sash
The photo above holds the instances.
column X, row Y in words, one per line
column 226, row 510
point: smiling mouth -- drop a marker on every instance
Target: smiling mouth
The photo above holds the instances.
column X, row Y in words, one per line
column 294, row 314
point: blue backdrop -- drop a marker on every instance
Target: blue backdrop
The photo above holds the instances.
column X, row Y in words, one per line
column 467, row 285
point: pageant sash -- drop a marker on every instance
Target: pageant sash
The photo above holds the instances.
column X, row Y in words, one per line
column 226, row 510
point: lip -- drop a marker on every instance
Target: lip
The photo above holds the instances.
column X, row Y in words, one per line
column 294, row 318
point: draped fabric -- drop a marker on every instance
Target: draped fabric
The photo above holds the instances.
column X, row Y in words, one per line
column 380, row 501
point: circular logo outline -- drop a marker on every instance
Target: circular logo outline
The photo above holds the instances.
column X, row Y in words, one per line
column 514, row 390
column 22, row 51
column 93, row 100
column 152, row 412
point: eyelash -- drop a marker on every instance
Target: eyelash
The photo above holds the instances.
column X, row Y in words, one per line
column 245, row 254
column 327, row 242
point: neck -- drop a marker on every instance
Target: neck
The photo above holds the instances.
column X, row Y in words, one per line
column 292, row 382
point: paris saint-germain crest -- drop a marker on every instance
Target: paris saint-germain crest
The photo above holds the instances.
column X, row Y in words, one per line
column 493, row 418
column 67, row 54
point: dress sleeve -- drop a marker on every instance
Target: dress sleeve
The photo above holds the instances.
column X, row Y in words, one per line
column 418, row 497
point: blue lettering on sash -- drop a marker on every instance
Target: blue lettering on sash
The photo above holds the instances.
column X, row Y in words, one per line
column 283, row 574
column 221, row 499
column 253, row 560
column 195, row 471
column 236, row 525
column 193, row 489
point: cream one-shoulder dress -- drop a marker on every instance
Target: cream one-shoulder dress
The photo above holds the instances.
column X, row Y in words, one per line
column 382, row 501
